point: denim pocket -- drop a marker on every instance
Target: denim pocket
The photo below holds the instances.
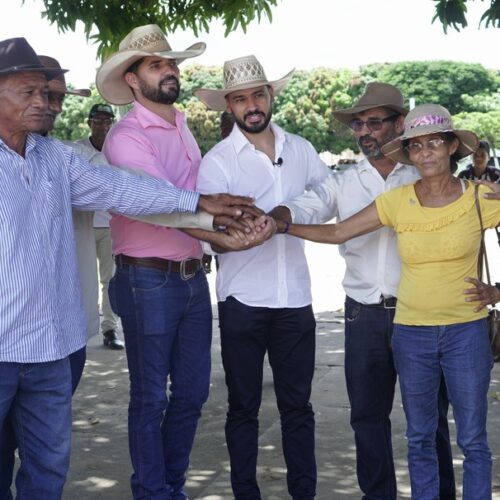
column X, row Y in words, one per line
column 352, row 311
column 145, row 279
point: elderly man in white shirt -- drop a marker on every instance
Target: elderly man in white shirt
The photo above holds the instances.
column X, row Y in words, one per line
column 264, row 292
column 370, row 283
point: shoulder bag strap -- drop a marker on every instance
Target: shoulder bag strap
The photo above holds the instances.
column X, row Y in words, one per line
column 482, row 249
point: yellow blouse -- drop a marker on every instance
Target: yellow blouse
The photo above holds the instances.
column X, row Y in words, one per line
column 438, row 248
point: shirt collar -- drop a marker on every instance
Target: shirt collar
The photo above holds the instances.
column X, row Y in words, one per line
column 148, row 118
column 365, row 166
column 240, row 141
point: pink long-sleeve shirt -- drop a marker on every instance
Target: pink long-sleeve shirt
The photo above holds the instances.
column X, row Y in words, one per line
column 143, row 140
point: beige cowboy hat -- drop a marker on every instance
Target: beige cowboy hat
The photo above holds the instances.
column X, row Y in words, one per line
column 429, row 119
column 239, row 74
column 376, row 95
column 58, row 84
column 148, row 40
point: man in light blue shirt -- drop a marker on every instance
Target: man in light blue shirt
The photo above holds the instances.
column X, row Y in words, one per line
column 41, row 315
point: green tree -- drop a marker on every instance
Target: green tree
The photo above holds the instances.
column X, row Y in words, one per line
column 485, row 125
column 454, row 13
column 438, row 82
column 111, row 20
column 72, row 122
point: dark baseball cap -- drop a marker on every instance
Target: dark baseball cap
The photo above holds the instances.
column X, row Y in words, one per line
column 101, row 108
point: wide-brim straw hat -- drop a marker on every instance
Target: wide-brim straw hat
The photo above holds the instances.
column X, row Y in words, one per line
column 376, row 95
column 17, row 56
column 429, row 119
column 144, row 41
column 58, row 84
column 239, row 74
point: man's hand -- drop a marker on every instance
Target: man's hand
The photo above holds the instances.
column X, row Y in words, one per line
column 494, row 186
column 224, row 204
column 283, row 218
column 234, row 240
column 482, row 293
column 243, row 223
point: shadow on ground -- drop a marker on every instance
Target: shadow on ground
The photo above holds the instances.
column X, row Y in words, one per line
column 100, row 466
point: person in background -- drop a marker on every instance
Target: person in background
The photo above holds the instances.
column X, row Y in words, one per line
column 479, row 169
column 370, row 283
column 436, row 332
column 100, row 119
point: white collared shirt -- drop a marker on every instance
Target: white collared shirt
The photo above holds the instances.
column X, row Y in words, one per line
column 372, row 261
column 274, row 274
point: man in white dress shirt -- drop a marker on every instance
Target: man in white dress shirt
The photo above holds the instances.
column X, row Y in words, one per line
column 370, row 283
column 264, row 293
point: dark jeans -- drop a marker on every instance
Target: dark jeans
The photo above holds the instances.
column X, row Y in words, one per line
column 288, row 336
column 371, row 379
column 8, row 441
column 36, row 401
column 167, row 324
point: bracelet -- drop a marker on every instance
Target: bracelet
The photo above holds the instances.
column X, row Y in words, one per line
column 287, row 227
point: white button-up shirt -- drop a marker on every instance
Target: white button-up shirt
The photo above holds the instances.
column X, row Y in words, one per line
column 372, row 260
column 274, row 274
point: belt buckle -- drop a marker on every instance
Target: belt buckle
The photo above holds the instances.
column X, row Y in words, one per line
column 389, row 302
column 185, row 276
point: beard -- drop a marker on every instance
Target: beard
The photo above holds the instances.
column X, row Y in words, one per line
column 158, row 94
column 372, row 148
column 257, row 127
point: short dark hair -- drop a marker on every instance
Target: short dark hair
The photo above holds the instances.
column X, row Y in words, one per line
column 484, row 145
column 134, row 67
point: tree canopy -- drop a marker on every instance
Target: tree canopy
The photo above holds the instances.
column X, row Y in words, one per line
column 111, row 20
column 306, row 104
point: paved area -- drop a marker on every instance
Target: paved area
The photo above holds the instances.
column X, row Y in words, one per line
column 100, row 467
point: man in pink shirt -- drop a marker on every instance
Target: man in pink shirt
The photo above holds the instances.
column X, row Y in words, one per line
column 159, row 289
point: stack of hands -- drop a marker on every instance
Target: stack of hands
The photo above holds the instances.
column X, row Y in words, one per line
column 238, row 222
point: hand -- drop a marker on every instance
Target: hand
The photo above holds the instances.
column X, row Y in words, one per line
column 243, row 222
column 224, row 204
column 494, row 186
column 235, row 240
column 281, row 213
column 482, row 293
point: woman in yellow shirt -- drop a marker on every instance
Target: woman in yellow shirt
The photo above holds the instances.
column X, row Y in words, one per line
column 435, row 329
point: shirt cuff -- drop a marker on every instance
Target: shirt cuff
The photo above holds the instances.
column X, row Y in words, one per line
column 188, row 201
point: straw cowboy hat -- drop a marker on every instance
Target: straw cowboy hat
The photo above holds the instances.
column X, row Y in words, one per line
column 239, row 74
column 429, row 119
column 377, row 95
column 17, row 55
column 148, row 40
column 58, row 84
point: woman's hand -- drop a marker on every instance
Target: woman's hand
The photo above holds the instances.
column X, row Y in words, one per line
column 482, row 293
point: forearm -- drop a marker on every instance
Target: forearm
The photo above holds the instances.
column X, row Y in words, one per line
column 199, row 220
column 363, row 222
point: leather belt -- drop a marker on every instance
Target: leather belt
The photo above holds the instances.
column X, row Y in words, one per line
column 385, row 302
column 186, row 268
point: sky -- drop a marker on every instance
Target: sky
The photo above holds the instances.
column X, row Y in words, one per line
column 302, row 35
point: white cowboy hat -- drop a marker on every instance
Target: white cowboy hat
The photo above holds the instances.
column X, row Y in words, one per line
column 239, row 74
column 148, row 40
column 429, row 119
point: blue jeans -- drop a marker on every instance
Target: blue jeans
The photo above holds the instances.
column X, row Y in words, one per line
column 8, row 441
column 371, row 379
column 167, row 324
column 37, row 399
column 462, row 353
column 288, row 337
